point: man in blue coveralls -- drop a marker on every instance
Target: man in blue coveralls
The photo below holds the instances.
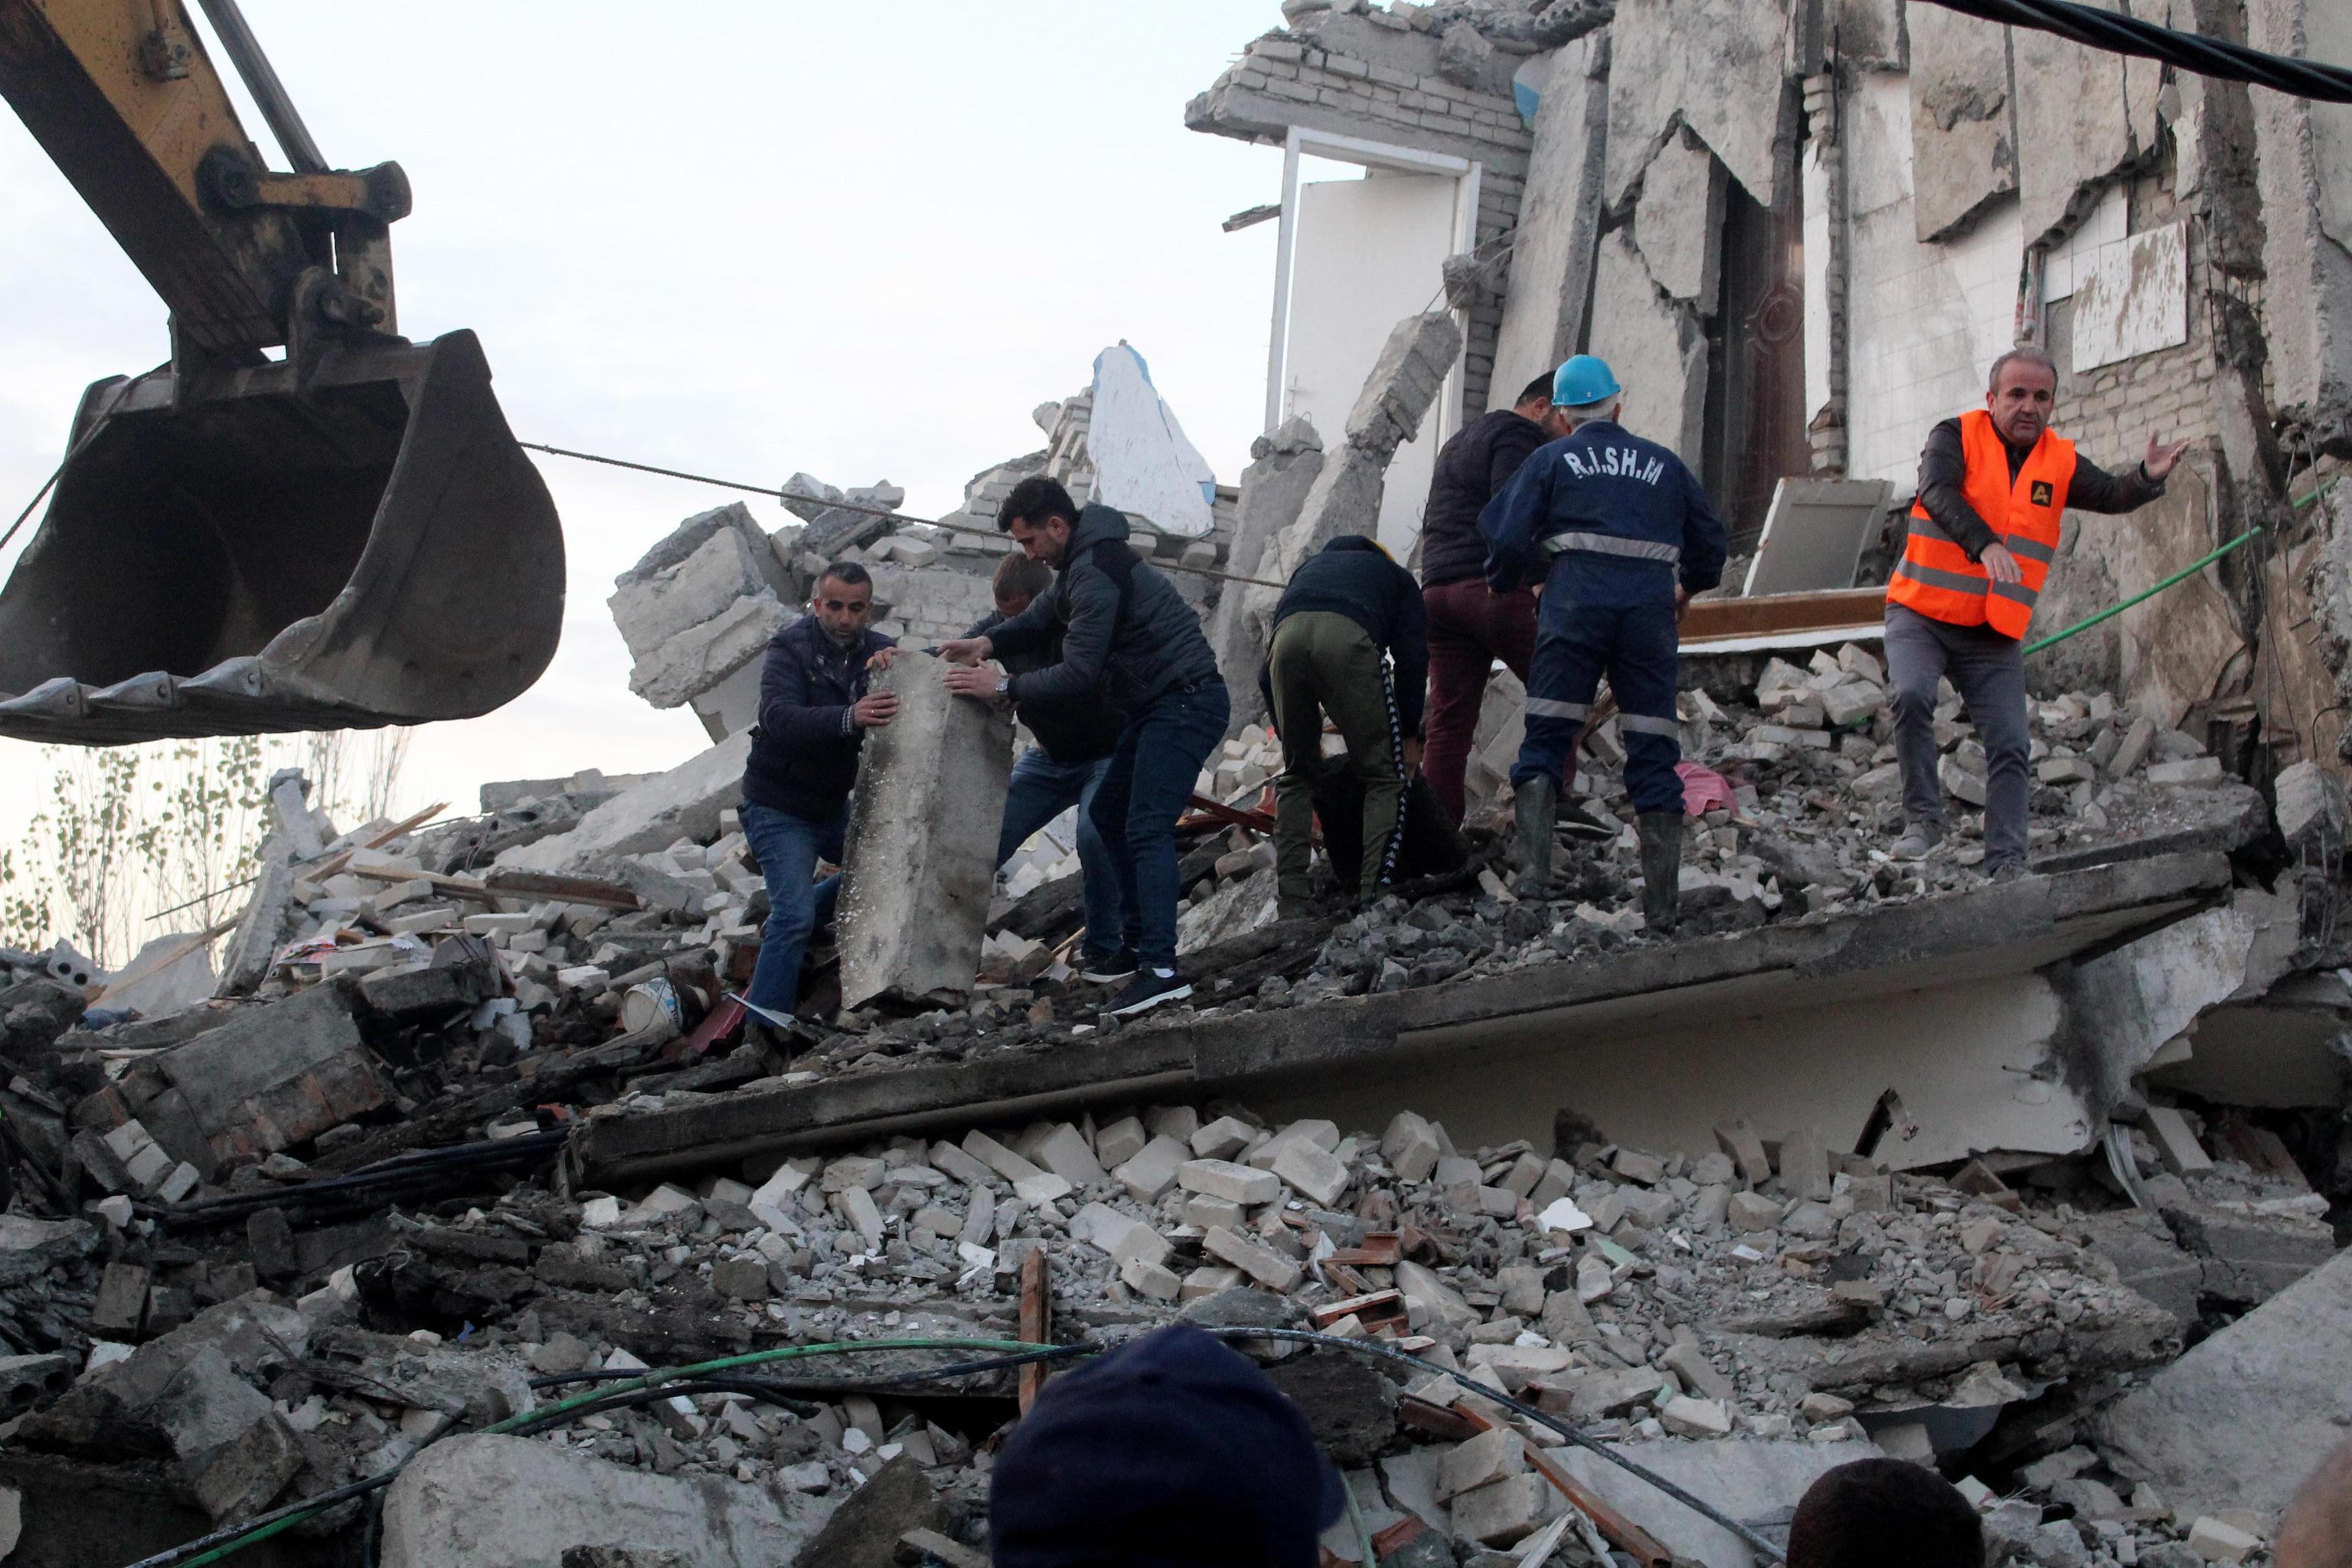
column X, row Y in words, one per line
column 1621, row 535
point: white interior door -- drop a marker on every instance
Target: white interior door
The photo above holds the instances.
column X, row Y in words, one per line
column 1366, row 254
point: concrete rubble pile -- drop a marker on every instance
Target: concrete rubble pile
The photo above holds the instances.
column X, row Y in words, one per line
column 1758, row 1312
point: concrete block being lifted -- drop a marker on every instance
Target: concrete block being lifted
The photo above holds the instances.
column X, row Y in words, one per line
column 920, row 859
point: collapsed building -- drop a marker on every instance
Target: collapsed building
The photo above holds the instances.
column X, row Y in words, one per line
column 422, row 1198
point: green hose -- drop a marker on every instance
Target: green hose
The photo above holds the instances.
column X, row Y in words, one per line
column 2197, row 565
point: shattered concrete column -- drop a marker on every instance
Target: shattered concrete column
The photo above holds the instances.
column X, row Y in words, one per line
column 1345, row 497
column 1273, row 491
column 2306, row 174
column 298, row 832
column 921, row 861
column 1559, row 220
column 246, row 965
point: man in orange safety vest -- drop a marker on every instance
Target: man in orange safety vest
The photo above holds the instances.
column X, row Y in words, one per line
column 1994, row 487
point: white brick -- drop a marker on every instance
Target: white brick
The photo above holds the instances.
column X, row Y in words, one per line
column 1152, row 1170
column 1234, row 1184
column 1261, row 1263
column 1316, row 1175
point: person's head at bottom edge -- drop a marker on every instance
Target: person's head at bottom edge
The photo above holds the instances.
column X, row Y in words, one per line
column 1169, row 1452
column 1874, row 1513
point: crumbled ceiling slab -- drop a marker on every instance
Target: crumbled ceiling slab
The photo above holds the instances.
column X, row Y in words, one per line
column 1736, row 1017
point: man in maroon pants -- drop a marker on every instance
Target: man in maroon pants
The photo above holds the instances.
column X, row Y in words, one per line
column 1470, row 624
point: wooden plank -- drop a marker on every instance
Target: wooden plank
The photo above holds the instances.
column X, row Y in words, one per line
column 335, row 864
column 507, row 881
column 1711, row 620
column 1036, row 1322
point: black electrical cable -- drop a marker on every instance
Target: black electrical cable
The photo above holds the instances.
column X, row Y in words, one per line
column 894, row 1379
column 400, row 1169
column 2120, row 33
column 1575, row 1434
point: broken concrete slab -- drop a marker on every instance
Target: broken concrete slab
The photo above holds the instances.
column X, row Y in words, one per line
column 1755, row 1481
column 702, row 657
column 166, row 975
column 864, row 1530
column 1963, row 125
column 1715, row 66
column 2073, row 128
column 1143, row 464
column 2153, row 990
column 453, row 1507
column 1654, row 346
column 705, row 564
column 1820, row 1047
column 2239, row 1420
column 920, row 857
column 1559, row 220
column 277, row 1074
column 1678, row 222
column 683, row 803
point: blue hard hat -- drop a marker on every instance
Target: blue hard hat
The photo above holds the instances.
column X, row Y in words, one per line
column 1585, row 378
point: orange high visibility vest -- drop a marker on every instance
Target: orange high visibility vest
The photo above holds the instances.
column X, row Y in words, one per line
column 1936, row 576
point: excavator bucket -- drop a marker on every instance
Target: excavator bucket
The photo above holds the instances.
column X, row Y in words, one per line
column 366, row 545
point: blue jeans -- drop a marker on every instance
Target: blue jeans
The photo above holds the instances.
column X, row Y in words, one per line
column 1137, row 803
column 789, row 849
column 1042, row 789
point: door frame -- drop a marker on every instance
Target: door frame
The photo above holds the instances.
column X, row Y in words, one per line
column 1302, row 142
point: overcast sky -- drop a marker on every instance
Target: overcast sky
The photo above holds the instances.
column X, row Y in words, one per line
column 740, row 238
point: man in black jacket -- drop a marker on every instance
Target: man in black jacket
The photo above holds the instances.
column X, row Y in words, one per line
column 1470, row 624
column 814, row 712
column 1075, row 736
column 1348, row 614
column 1129, row 637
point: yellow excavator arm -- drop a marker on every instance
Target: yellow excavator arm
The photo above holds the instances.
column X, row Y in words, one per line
column 343, row 535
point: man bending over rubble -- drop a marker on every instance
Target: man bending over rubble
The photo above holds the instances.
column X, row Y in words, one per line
column 814, row 712
column 1348, row 614
column 1129, row 636
column 1075, row 736
column 1621, row 535
column 1994, row 487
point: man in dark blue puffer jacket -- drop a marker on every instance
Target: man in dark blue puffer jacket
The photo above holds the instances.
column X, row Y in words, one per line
column 814, row 712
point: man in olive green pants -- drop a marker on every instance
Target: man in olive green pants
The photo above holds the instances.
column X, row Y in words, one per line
column 1349, row 612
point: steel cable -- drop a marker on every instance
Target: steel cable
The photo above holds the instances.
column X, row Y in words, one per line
column 2118, row 34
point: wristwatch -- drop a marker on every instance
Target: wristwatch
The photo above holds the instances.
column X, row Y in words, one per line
column 1004, row 685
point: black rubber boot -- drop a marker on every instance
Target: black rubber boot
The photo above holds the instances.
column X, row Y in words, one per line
column 1662, row 869
column 1537, row 805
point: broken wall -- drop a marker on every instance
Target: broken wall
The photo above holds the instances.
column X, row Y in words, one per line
column 1376, row 76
